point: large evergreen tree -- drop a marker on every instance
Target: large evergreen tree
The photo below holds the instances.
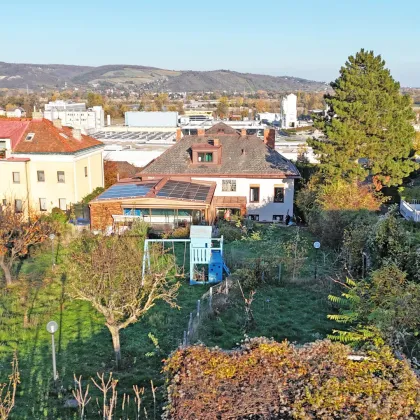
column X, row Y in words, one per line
column 368, row 130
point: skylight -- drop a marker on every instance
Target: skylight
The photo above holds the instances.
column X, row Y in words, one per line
column 64, row 135
column 30, row 136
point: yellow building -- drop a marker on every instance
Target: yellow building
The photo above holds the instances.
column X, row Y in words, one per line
column 45, row 165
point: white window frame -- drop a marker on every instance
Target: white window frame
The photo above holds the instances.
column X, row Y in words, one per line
column 229, row 185
column 58, row 177
column 18, row 177
column 42, row 204
column 60, row 204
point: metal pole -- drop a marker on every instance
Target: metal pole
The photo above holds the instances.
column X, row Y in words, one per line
column 53, row 358
column 52, row 252
column 316, row 260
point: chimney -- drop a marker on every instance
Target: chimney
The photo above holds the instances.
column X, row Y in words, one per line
column 108, row 120
column 201, row 132
column 57, row 123
column 216, row 142
column 77, row 133
column 243, row 132
column 37, row 116
column 270, row 137
column 178, row 134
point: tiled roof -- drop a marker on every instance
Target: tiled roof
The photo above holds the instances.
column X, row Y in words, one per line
column 12, row 130
column 47, row 138
column 241, row 156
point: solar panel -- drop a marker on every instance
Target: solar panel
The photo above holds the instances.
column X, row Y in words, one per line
column 184, row 191
column 126, row 191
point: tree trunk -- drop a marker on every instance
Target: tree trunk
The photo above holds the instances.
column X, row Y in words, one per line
column 115, row 333
column 7, row 272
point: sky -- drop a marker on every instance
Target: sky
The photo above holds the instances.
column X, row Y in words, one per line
column 309, row 39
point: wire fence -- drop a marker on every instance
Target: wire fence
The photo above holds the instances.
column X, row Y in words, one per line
column 216, row 295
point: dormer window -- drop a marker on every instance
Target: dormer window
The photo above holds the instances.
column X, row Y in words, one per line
column 205, row 157
column 30, row 137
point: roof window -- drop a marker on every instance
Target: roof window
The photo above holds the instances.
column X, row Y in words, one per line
column 64, row 135
column 29, row 136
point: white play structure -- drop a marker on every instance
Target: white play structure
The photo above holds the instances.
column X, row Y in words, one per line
column 203, row 252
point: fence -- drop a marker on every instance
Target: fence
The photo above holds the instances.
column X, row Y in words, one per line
column 215, row 296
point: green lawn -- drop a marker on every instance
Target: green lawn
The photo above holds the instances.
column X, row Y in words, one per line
column 296, row 311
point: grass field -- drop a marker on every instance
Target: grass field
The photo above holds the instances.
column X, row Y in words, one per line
column 296, row 311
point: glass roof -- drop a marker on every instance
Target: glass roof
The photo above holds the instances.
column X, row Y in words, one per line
column 126, row 191
column 184, row 191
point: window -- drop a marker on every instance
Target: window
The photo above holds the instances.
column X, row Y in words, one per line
column 278, row 217
column 254, row 194
column 18, row 206
column 205, row 157
column 30, row 137
column 86, row 172
column 254, row 217
column 228, row 185
column 43, row 204
column 16, row 177
column 4, row 201
column 60, row 176
column 278, row 194
column 62, row 204
column 41, row 176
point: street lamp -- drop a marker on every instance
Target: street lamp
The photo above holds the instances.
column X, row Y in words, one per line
column 52, row 327
column 52, row 237
column 317, row 245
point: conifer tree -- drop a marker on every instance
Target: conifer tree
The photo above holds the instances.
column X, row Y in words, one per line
column 368, row 128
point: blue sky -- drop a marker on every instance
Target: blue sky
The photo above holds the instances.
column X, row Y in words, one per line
column 310, row 39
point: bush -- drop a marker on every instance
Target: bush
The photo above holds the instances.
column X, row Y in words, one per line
column 230, row 232
column 266, row 379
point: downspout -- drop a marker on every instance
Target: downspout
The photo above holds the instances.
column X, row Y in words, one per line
column 27, row 184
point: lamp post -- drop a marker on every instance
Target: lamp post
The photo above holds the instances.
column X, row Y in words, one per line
column 52, row 237
column 52, row 327
column 317, row 245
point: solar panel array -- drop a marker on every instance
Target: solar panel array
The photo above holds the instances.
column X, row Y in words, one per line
column 135, row 136
column 184, row 191
column 126, row 191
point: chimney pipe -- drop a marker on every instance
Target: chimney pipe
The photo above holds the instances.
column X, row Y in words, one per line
column 77, row 133
column 57, row 123
column 216, row 142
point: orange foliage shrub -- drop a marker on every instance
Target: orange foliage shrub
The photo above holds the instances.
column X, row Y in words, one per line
column 265, row 379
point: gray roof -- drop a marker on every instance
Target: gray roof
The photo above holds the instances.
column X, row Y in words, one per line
column 241, row 156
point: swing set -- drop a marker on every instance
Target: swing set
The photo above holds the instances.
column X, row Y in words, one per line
column 206, row 262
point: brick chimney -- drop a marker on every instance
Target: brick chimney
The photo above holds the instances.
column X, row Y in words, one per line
column 270, row 137
column 57, row 123
column 216, row 142
column 243, row 132
column 77, row 133
column 178, row 134
column 201, row 132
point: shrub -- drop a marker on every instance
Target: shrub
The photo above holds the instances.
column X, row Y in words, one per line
column 230, row 232
column 266, row 379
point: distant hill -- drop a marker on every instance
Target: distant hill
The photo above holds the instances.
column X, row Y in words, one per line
column 19, row 76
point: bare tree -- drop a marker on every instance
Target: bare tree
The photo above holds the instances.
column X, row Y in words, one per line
column 19, row 231
column 106, row 271
column 8, row 391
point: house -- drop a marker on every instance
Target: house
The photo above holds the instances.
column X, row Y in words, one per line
column 2, row 112
column 16, row 113
column 288, row 111
column 45, row 165
column 214, row 174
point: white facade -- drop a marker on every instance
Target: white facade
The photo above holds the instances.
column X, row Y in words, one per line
column 268, row 116
column 151, row 119
column 65, row 106
column 16, row 113
column 266, row 209
column 288, row 111
column 88, row 120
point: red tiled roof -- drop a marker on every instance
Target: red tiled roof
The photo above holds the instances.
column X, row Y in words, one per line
column 47, row 138
column 13, row 130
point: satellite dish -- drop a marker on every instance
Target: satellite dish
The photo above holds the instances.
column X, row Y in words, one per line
column 52, row 327
column 317, row 245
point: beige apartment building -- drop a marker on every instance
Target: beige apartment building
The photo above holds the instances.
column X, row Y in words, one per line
column 46, row 165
